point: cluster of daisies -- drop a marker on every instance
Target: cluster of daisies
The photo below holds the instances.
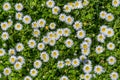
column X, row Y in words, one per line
column 50, row 38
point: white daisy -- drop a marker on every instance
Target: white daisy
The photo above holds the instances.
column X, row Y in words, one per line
column 85, row 52
column 62, row 17
column 55, row 54
column 36, row 33
column 99, row 49
column 69, row 20
column 85, row 2
column 98, row 69
column 110, row 46
column 101, row 38
column 77, row 25
column 35, row 25
column 52, row 42
column 10, row 23
column 69, row 43
column 31, row 43
column 78, row 4
column 17, row 66
column 52, row 25
column 18, row 26
column 56, row 10
column 114, row 76
column 67, row 8
column 64, row 78
column 11, row 51
column 115, row 3
column 57, row 36
column 2, row 52
column 84, row 45
column 45, row 40
column 103, row 29
column 88, row 40
column 50, row 3
column 50, row 35
column 87, row 68
column 66, row 32
column 44, row 56
column 109, row 17
column 110, row 32
column 5, row 36
column 27, row 78
column 41, row 46
column 18, row 7
column 111, row 60
column 60, row 64
column 87, row 76
column 81, row 34
column 41, row 23
column 27, row 19
column 82, row 57
column 103, row 14
column 21, row 59
column 19, row 15
column 6, row 6
column 19, row 47
column 59, row 32
column 37, row 64
column 68, row 62
column 7, row 71
column 33, row 72
column 12, row 59
column 75, row 62
column 4, row 26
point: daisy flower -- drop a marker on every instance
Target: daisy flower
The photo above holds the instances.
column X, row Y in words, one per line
column 85, row 2
column 77, row 25
column 10, row 22
column 99, row 49
column 7, row 71
column 50, row 3
column 115, row 3
column 33, row 72
column 81, row 34
column 62, row 17
column 41, row 46
column 98, row 69
column 67, row 8
column 45, row 40
column 31, row 43
column 4, row 26
column 66, row 32
column 41, row 23
column 44, row 56
column 111, row 60
column 110, row 46
column 78, row 5
column 19, row 47
column 88, row 40
column 27, row 19
column 87, row 68
column 27, row 78
column 87, row 76
column 84, row 45
column 114, row 76
column 6, row 6
column 17, row 66
column 5, row 36
column 52, row 25
column 21, row 59
column 60, row 64
column 69, row 20
column 52, row 42
column 101, row 38
column 86, row 52
column 110, row 32
column 64, row 78
column 60, row 32
column 109, row 17
column 18, row 26
column 103, row 14
column 68, row 62
column 36, row 33
column 75, row 62
column 55, row 54
column 82, row 76
column 103, row 29
column 18, row 7
column 57, row 36
column 50, row 35
column 82, row 57
column 37, row 64
column 71, row 4
column 2, row 52
column 11, row 51
column 69, row 43
column 12, row 59
column 55, row 10
column 35, row 25
column 19, row 16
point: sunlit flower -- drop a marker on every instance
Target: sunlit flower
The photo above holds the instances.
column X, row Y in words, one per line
column 41, row 46
column 2, row 52
column 114, row 75
column 4, row 26
column 60, row 64
column 37, row 64
column 115, row 3
column 52, row 25
column 67, row 8
column 103, row 29
column 75, row 62
column 69, row 43
column 81, row 34
column 87, row 76
column 78, row 5
column 5, row 36
column 55, row 10
column 68, row 62
column 62, row 17
column 110, row 32
column 31, row 43
column 64, row 78
column 69, row 20
column 18, row 26
column 110, row 46
column 55, row 54
column 6, row 6
column 7, row 71
column 87, row 68
column 35, row 25
column 77, row 25
column 11, row 51
column 98, row 69
column 12, row 59
column 99, row 49
column 111, row 60
column 17, row 66
column 103, row 14
column 27, row 78
column 101, row 38
column 19, row 47
column 109, row 17
column 44, row 56
column 27, row 19
column 41, row 23
column 50, row 3
column 66, row 32
column 19, row 15
column 21, row 59
column 85, row 2
column 33, row 72
column 18, row 7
